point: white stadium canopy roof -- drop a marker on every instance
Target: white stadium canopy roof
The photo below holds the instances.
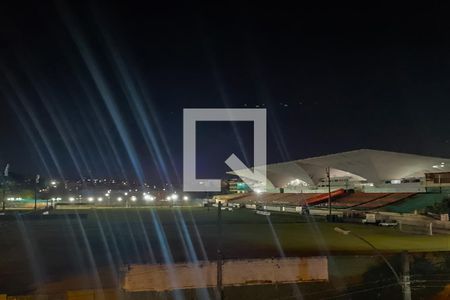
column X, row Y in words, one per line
column 359, row 165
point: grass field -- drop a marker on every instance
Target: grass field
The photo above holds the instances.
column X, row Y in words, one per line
column 36, row 252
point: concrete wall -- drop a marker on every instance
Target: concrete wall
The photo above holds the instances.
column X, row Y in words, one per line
column 235, row 273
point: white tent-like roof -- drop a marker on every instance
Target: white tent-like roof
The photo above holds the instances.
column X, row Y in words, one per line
column 374, row 166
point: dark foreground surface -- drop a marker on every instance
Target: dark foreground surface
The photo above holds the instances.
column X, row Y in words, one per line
column 51, row 256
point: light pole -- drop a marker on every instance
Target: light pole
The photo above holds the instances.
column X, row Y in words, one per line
column 3, row 195
column 174, row 197
column 405, row 283
column 35, row 191
column 327, row 170
column 4, row 182
column 219, row 291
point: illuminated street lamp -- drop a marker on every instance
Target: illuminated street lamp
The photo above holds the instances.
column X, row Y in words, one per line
column 148, row 197
column 173, row 197
column 133, row 198
column 71, row 199
column 185, row 198
column 90, row 199
column 119, row 199
column 100, row 199
column 36, row 183
column 405, row 285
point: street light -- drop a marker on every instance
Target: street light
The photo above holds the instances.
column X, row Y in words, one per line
column 174, row 198
column 405, row 284
column 185, row 198
column 133, row 198
column 90, row 199
column 71, row 199
column 119, row 199
column 100, row 199
column 36, row 183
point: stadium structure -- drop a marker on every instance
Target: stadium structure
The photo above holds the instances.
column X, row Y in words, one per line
column 362, row 179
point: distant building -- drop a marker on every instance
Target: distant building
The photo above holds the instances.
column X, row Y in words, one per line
column 236, row 186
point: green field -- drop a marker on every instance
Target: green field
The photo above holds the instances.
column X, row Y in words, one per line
column 34, row 253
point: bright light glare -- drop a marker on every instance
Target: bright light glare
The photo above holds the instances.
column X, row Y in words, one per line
column 133, row 198
column 100, row 199
column 174, row 197
column 168, row 198
column 185, row 198
column 90, row 199
column 119, row 199
column 71, row 199
column 148, row 198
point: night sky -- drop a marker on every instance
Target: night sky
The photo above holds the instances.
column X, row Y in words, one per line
column 97, row 89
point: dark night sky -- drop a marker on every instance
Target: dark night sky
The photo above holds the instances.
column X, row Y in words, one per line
column 98, row 88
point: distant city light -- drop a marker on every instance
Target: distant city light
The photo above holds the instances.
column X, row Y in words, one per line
column 148, row 197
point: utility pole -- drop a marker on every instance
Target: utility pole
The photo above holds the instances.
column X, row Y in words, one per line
column 35, row 198
column 3, row 199
column 35, row 191
column 219, row 291
column 406, row 279
column 329, row 193
column 5, row 181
